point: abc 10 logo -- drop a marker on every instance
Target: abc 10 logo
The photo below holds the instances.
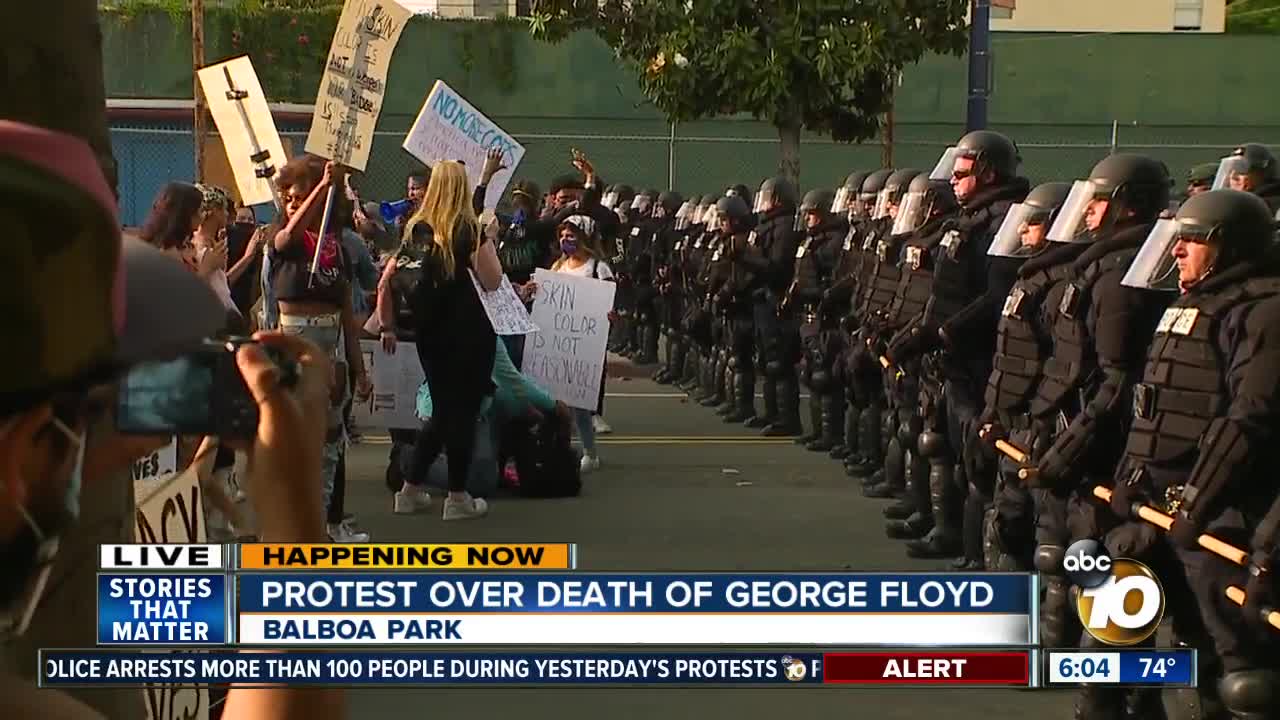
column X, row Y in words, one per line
column 1120, row 602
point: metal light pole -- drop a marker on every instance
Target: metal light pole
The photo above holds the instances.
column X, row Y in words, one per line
column 979, row 65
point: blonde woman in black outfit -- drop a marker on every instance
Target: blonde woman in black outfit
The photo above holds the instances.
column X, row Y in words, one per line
column 456, row 343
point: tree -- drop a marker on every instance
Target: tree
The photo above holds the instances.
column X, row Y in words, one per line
column 51, row 71
column 823, row 65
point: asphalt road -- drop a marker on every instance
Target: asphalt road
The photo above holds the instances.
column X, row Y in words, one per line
column 682, row 491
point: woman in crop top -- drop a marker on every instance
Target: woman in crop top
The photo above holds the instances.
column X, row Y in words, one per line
column 580, row 255
column 455, row 341
column 318, row 306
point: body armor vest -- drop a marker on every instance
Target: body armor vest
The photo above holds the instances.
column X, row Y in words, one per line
column 1183, row 386
column 810, row 276
column 919, row 258
column 1073, row 359
column 952, row 287
column 882, row 278
column 717, row 265
column 1023, row 341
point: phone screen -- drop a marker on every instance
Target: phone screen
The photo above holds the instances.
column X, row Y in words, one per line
column 201, row 393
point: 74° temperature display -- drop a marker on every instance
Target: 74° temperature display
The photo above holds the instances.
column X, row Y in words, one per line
column 1168, row 668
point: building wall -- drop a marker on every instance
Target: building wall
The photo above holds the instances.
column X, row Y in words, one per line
column 1113, row 16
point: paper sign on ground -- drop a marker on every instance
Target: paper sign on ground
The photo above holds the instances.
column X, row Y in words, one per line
column 450, row 128
column 396, row 379
column 239, row 109
column 567, row 354
column 355, row 81
column 505, row 310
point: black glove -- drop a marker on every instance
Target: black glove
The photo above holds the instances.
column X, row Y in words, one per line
column 1123, row 496
column 1185, row 532
column 1051, row 468
column 1260, row 596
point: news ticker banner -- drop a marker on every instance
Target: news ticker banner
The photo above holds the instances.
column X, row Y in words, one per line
column 897, row 668
column 206, row 597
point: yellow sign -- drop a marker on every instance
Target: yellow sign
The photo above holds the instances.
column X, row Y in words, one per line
column 355, row 80
column 403, row 556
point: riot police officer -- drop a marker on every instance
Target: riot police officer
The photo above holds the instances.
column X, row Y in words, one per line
column 1205, row 428
column 814, row 330
column 640, row 269
column 696, row 318
column 865, row 397
column 1251, row 168
column 957, row 327
column 618, row 199
column 650, row 303
column 765, row 264
column 734, row 370
column 672, row 290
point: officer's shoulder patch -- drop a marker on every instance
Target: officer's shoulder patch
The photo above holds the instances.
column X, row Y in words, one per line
column 915, row 257
column 1185, row 322
column 635, row 231
column 870, row 242
column 1013, row 303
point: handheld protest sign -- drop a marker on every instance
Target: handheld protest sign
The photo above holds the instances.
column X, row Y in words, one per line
column 248, row 132
column 355, row 81
column 450, row 128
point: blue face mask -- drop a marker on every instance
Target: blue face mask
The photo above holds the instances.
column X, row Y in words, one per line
column 568, row 247
column 518, row 218
column 74, row 483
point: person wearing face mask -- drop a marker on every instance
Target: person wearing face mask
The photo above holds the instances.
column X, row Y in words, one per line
column 56, row 397
column 764, row 268
column 882, row 274
column 813, row 329
column 1251, row 168
column 1205, row 432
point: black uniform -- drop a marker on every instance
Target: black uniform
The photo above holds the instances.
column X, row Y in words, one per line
column 818, row 327
column 1203, row 442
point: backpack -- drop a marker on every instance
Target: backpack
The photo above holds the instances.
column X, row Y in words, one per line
column 546, row 462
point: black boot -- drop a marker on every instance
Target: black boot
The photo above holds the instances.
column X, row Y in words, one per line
column 901, row 509
column 648, row 354
column 727, row 406
column 892, row 478
column 688, row 378
column 1059, row 623
column 815, row 421
column 770, row 392
column 920, row 522
column 975, row 504
column 871, row 456
column 714, row 394
column 788, row 422
column 676, row 353
column 848, row 444
column 744, row 396
column 832, row 423
column 944, row 541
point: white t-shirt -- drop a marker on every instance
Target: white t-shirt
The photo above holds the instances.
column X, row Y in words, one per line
column 597, row 269
column 218, row 281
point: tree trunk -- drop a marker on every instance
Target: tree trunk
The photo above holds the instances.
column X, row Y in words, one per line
column 51, row 71
column 789, row 153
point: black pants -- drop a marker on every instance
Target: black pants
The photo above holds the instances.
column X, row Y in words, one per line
column 452, row 427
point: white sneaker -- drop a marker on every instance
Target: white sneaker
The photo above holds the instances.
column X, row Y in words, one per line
column 465, row 509
column 590, row 463
column 600, row 426
column 344, row 533
column 411, row 501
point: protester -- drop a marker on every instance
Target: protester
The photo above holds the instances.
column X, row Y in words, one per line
column 64, row 235
column 455, row 340
column 317, row 305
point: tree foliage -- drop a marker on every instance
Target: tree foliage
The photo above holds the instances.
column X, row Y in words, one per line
column 1254, row 17
column 825, row 65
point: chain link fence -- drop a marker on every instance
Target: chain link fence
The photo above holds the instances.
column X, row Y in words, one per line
column 704, row 157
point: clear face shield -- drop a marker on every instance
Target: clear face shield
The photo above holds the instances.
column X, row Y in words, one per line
column 683, row 215
column 1022, row 234
column 946, row 164
column 841, row 203
column 1230, row 167
column 610, row 200
column 1071, row 225
column 1154, row 267
column 641, row 204
column 763, row 202
column 911, row 213
column 881, row 209
column 710, row 217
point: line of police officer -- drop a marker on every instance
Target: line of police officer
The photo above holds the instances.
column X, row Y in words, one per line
column 986, row 353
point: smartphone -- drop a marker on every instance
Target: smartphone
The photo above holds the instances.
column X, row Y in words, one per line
column 200, row 393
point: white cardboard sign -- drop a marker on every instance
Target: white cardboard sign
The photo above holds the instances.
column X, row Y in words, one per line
column 567, row 354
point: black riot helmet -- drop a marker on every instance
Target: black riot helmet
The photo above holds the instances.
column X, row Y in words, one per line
column 667, row 204
column 1034, row 216
column 895, row 187
column 1136, row 188
column 1245, row 168
column 737, row 210
column 707, row 211
column 618, row 196
column 989, row 150
column 776, row 192
column 689, row 213
column 818, row 201
column 642, row 204
column 874, row 183
column 848, row 192
column 1237, row 225
column 925, row 199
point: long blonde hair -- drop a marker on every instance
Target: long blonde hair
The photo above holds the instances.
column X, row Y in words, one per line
column 446, row 209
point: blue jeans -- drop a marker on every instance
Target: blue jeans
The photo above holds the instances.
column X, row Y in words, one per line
column 586, row 431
